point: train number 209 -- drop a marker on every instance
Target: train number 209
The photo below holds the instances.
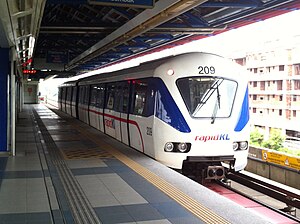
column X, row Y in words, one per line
column 206, row 70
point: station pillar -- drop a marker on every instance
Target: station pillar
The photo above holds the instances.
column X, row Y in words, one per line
column 4, row 71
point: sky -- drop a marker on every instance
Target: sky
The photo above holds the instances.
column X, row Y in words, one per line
column 228, row 44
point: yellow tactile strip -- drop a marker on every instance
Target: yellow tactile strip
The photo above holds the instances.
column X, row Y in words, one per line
column 73, row 154
column 202, row 212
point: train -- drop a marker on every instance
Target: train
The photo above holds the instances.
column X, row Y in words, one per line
column 188, row 111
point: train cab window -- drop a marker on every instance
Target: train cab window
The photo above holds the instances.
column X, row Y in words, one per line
column 208, row 96
column 110, row 99
column 140, row 97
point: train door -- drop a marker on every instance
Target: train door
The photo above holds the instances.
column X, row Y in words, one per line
column 121, row 111
column 141, row 116
column 109, row 114
column 124, row 109
column 63, row 99
column 117, row 111
column 93, row 111
column 100, row 105
column 68, row 100
column 74, row 102
column 137, row 113
column 60, row 98
column 86, row 104
column 81, row 103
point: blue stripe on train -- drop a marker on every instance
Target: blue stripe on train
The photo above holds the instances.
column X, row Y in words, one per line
column 167, row 110
column 244, row 116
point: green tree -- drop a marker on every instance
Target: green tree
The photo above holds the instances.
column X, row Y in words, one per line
column 275, row 140
column 256, row 137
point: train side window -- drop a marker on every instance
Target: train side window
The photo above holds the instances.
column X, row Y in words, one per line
column 63, row 94
column 122, row 97
column 69, row 93
column 110, row 100
column 100, row 96
column 86, row 95
column 94, row 95
column 74, row 93
column 125, row 95
column 140, row 97
column 59, row 94
column 118, row 97
column 81, row 94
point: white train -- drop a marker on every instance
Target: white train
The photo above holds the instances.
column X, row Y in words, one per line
column 189, row 112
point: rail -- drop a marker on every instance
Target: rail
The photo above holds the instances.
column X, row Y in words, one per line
column 271, row 190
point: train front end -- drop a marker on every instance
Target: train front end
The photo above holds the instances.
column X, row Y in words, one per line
column 213, row 99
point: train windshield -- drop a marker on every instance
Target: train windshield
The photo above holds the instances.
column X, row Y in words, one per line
column 208, row 97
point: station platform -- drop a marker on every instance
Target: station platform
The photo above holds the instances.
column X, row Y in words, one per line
column 65, row 171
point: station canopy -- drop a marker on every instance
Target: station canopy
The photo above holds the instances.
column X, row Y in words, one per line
column 71, row 37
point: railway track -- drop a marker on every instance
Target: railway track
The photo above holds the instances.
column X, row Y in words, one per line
column 238, row 182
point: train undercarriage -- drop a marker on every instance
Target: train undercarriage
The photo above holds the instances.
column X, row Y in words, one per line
column 203, row 169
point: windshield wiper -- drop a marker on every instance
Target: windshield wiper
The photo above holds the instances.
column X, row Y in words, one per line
column 217, row 106
column 207, row 95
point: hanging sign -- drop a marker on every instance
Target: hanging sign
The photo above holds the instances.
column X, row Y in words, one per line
column 57, row 57
column 124, row 3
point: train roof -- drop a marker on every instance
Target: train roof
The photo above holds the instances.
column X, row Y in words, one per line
column 146, row 67
column 69, row 83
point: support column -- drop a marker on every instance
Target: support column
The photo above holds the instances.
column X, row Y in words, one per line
column 4, row 71
column 13, row 104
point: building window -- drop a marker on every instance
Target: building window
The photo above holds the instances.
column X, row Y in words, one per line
column 254, row 110
column 255, row 70
column 294, row 113
column 254, row 97
column 296, row 85
column 294, row 98
column 280, row 112
column 297, row 69
column 262, row 85
column 279, row 85
column 281, row 67
column 280, row 98
column 255, row 84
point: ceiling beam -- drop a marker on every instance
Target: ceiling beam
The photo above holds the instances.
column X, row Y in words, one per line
column 147, row 20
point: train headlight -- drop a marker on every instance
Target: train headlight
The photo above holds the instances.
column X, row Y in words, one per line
column 169, row 146
column 182, row 147
column 235, row 146
column 243, row 145
column 170, row 72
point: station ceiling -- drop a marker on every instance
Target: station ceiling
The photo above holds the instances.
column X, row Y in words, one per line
column 71, row 37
